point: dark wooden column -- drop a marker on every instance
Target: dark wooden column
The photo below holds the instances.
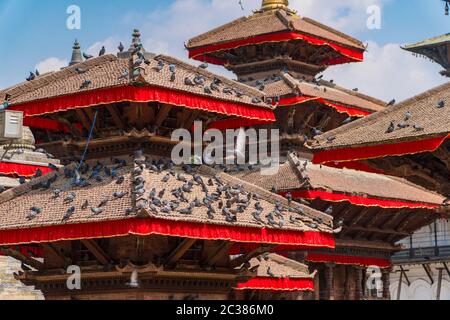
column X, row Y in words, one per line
column 385, row 278
column 359, row 290
column 329, row 280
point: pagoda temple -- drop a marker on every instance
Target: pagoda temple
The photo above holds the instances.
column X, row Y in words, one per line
column 282, row 54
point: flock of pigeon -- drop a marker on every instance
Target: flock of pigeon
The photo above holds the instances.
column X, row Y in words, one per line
column 219, row 199
column 405, row 123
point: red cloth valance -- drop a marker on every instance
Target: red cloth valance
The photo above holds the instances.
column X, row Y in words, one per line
column 277, row 284
column 235, row 124
column 354, row 165
column 146, row 227
column 143, row 94
column 358, row 200
column 379, row 151
column 351, row 111
column 349, row 54
column 48, row 124
column 349, row 260
column 23, row 170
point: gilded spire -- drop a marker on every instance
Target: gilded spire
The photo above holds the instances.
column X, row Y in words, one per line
column 269, row 5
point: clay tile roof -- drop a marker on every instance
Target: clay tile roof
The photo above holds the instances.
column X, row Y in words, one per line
column 328, row 91
column 372, row 130
column 280, row 266
column 267, row 23
column 16, row 203
column 106, row 71
column 445, row 38
column 346, row 181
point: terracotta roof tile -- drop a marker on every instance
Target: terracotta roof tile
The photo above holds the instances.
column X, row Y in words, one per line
column 342, row 181
column 270, row 22
column 16, row 203
column 291, row 86
column 106, row 71
column 280, row 266
column 373, row 129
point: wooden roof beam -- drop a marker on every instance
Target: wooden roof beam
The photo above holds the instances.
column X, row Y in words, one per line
column 162, row 114
column 179, row 251
column 97, row 251
column 62, row 259
column 222, row 249
column 24, row 259
column 112, row 109
column 376, row 230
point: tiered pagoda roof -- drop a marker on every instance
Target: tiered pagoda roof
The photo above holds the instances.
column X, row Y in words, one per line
column 436, row 49
column 106, row 206
column 111, row 80
column 285, row 275
column 293, row 91
column 229, row 43
column 416, row 129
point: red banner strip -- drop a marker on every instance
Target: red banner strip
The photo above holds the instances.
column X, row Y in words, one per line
column 142, row 94
column 349, row 260
column 379, row 151
column 358, row 200
column 349, row 54
column 235, row 124
column 354, row 112
column 277, row 284
column 22, row 170
column 146, row 227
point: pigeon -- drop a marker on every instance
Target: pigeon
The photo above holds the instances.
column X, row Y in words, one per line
column 329, row 210
column 172, row 68
column 125, row 74
column 166, row 178
column 80, row 70
column 204, row 65
column 121, row 47
column 355, row 89
column 97, row 211
column 418, row 127
column 119, row 195
column 391, row 127
column 172, row 77
column 441, row 104
column 214, row 87
column 34, row 211
column 56, row 193
column 38, row 173
column 31, row 77
column 256, row 100
column 408, row 115
column 402, row 125
column 85, row 84
column 102, row 51
column 87, row 56
column 120, row 180
column 331, row 139
column 188, row 210
column 159, row 66
column 70, row 198
column 134, row 279
column 68, row 214
column 257, row 216
column 289, row 197
column 391, row 103
column 347, row 121
column 188, row 82
column 85, row 205
column 270, row 273
column 207, row 90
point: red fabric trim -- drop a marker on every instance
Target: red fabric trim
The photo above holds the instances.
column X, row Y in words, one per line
column 23, row 170
column 354, row 165
column 349, row 54
column 351, row 111
column 142, row 94
column 379, row 151
column 146, row 227
column 235, row 124
column 349, row 260
column 358, row 200
column 277, row 284
column 48, row 124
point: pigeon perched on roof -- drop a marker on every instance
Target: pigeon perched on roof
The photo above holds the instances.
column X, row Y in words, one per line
column 31, row 77
column 121, row 47
column 87, row 56
column 102, row 51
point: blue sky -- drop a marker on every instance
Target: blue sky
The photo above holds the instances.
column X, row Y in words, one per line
column 32, row 32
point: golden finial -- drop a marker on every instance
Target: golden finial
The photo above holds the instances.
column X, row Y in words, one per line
column 269, row 5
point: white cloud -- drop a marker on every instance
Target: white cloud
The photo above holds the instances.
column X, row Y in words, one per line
column 388, row 72
column 110, row 45
column 51, row 64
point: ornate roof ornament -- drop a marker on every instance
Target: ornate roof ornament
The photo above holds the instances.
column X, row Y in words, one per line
column 76, row 54
column 269, row 5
